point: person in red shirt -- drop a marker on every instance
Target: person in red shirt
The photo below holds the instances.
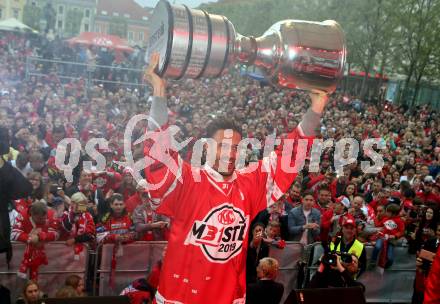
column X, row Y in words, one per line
column 432, row 292
column 35, row 229
column 78, row 223
column 393, row 229
column 141, row 196
column 128, row 185
column 427, row 195
column 211, row 212
column 117, row 226
column 325, row 205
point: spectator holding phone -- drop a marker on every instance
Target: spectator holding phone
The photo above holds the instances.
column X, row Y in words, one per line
column 78, row 224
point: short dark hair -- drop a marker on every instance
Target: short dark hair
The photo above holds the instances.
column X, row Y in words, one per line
column 116, row 196
column 222, row 123
column 38, row 209
column 393, row 209
column 309, row 192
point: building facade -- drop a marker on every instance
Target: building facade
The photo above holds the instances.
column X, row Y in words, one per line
column 11, row 9
column 126, row 19
column 67, row 17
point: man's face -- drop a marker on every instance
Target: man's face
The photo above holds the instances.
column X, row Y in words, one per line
column 227, row 151
column 295, row 193
column 357, row 202
column 377, row 186
column 85, row 178
column 348, row 231
column 39, row 219
column 308, row 202
column 352, row 267
column 143, row 195
column 118, row 206
column 339, row 209
column 427, row 187
column 324, row 196
column 380, row 210
column 32, row 293
column 425, row 170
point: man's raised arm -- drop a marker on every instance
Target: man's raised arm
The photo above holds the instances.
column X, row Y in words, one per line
column 279, row 169
column 164, row 175
column 311, row 119
column 158, row 110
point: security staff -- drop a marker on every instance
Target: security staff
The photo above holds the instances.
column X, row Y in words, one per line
column 348, row 243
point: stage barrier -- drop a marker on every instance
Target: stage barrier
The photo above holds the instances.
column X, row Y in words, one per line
column 51, row 277
column 137, row 260
column 288, row 259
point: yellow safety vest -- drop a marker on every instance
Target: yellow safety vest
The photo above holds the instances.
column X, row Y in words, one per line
column 355, row 249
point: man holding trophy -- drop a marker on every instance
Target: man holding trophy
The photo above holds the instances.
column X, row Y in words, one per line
column 210, row 215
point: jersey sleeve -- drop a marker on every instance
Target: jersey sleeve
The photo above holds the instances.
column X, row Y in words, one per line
column 165, row 172
column 18, row 232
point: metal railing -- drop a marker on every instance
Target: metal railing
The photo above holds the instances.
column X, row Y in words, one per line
column 395, row 285
column 137, row 260
column 51, row 277
column 93, row 74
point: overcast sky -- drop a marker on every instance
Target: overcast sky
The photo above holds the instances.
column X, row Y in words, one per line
column 190, row 3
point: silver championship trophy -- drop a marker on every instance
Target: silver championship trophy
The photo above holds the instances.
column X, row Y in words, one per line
column 292, row 53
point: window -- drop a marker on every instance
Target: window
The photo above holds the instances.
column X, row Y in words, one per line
column 60, row 24
column 145, row 18
column 86, row 27
column 104, row 13
column 87, row 13
column 115, row 14
column 141, row 36
column 127, row 15
column 61, row 9
column 130, row 35
column 16, row 13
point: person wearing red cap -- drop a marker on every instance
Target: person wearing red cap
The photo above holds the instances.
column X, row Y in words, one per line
column 348, row 242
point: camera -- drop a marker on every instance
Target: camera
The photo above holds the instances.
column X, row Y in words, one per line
column 330, row 258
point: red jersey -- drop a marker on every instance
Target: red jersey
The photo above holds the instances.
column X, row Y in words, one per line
column 206, row 257
column 429, row 197
column 326, row 221
column 132, row 202
column 432, row 292
column 107, row 180
column 78, row 225
column 24, row 225
column 22, row 206
column 113, row 226
column 393, row 226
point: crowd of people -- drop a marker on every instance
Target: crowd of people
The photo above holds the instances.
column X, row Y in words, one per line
column 396, row 207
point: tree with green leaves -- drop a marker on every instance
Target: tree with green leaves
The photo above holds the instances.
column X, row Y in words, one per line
column 383, row 36
column 418, row 55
